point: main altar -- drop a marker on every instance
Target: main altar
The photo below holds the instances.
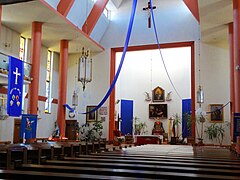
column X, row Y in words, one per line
column 147, row 139
column 155, row 138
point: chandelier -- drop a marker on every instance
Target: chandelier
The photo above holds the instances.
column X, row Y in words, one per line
column 85, row 68
column 200, row 93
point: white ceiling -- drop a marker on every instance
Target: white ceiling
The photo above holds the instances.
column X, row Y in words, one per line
column 214, row 18
column 20, row 16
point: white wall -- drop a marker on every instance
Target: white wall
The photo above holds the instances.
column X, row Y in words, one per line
column 215, row 80
column 94, row 91
column 179, row 26
column 100, row 28
column 46, row 123
column 79, row 12
column 173, row 19
column 175, row 23
column 9, row 42
column 143, row 71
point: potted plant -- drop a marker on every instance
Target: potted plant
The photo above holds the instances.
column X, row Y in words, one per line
column 176, row 121
column 201, row 119
column 216, row 132
column 139, row 127
column 91, row 132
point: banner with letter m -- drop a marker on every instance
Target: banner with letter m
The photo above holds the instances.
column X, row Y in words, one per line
column 15, row 86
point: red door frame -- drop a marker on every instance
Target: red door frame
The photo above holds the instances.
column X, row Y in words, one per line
column 149, row 47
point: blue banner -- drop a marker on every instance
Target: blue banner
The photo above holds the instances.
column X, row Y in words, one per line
column 15, row 86
column 28, row 126
column 236, row 130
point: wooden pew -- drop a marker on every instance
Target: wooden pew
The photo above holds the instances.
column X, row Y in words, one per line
column 163, row 158
column 5, row 142
column 149, row 167
column 16, row 174
column 123, row 172
column 36, row 152
column 159, row 162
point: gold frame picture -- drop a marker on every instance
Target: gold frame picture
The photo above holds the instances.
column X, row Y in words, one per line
column 90, row 117
column 158, row 111
column 158, row 94
column 217, row 114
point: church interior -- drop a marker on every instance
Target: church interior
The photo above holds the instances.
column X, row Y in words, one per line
column 120, row 89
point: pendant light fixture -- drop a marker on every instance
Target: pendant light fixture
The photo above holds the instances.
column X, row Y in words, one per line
column 200, row 93
column 85, row 68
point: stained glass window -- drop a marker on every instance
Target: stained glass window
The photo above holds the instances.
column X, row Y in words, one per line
column 49, row 82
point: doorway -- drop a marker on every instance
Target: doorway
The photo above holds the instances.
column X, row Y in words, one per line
column 17, row 129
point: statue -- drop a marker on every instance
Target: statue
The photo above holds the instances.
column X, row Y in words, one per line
column 158, row 128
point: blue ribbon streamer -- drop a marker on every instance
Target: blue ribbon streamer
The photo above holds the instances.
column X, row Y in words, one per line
column 155, row 30
column 70, row 109
column 134, row 5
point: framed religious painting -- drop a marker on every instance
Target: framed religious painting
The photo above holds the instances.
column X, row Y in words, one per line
column 158, row 94
column 158, row 111
column 216, row 114
column 92, row 116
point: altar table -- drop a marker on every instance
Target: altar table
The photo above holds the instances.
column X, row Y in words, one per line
column 148, row 139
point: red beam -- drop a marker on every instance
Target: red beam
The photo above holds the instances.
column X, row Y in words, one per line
column 40, row 98
column 94, row 16
column 193, row 7
column 3, row 90
column 64, row 7
column 55, row 101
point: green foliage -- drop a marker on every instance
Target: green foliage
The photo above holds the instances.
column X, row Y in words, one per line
column 177, row 119
column 216, row 131
column 139, row 127
column 91, row 132
column 188, row 122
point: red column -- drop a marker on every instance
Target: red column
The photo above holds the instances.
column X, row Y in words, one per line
column 0, row 17
column 112, row 97
column 35, row 61
column 236, row 45
column 232, row 68
column 62, row 87
column 193, row 90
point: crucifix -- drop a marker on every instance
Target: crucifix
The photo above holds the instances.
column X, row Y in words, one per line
column 16, row 75
column 148, row 8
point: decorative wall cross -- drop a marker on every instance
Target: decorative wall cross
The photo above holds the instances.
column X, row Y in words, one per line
column 16, row 73
column 148, row 8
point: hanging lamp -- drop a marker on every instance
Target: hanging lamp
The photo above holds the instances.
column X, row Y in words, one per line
column 85, row 68
column 200, row 93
